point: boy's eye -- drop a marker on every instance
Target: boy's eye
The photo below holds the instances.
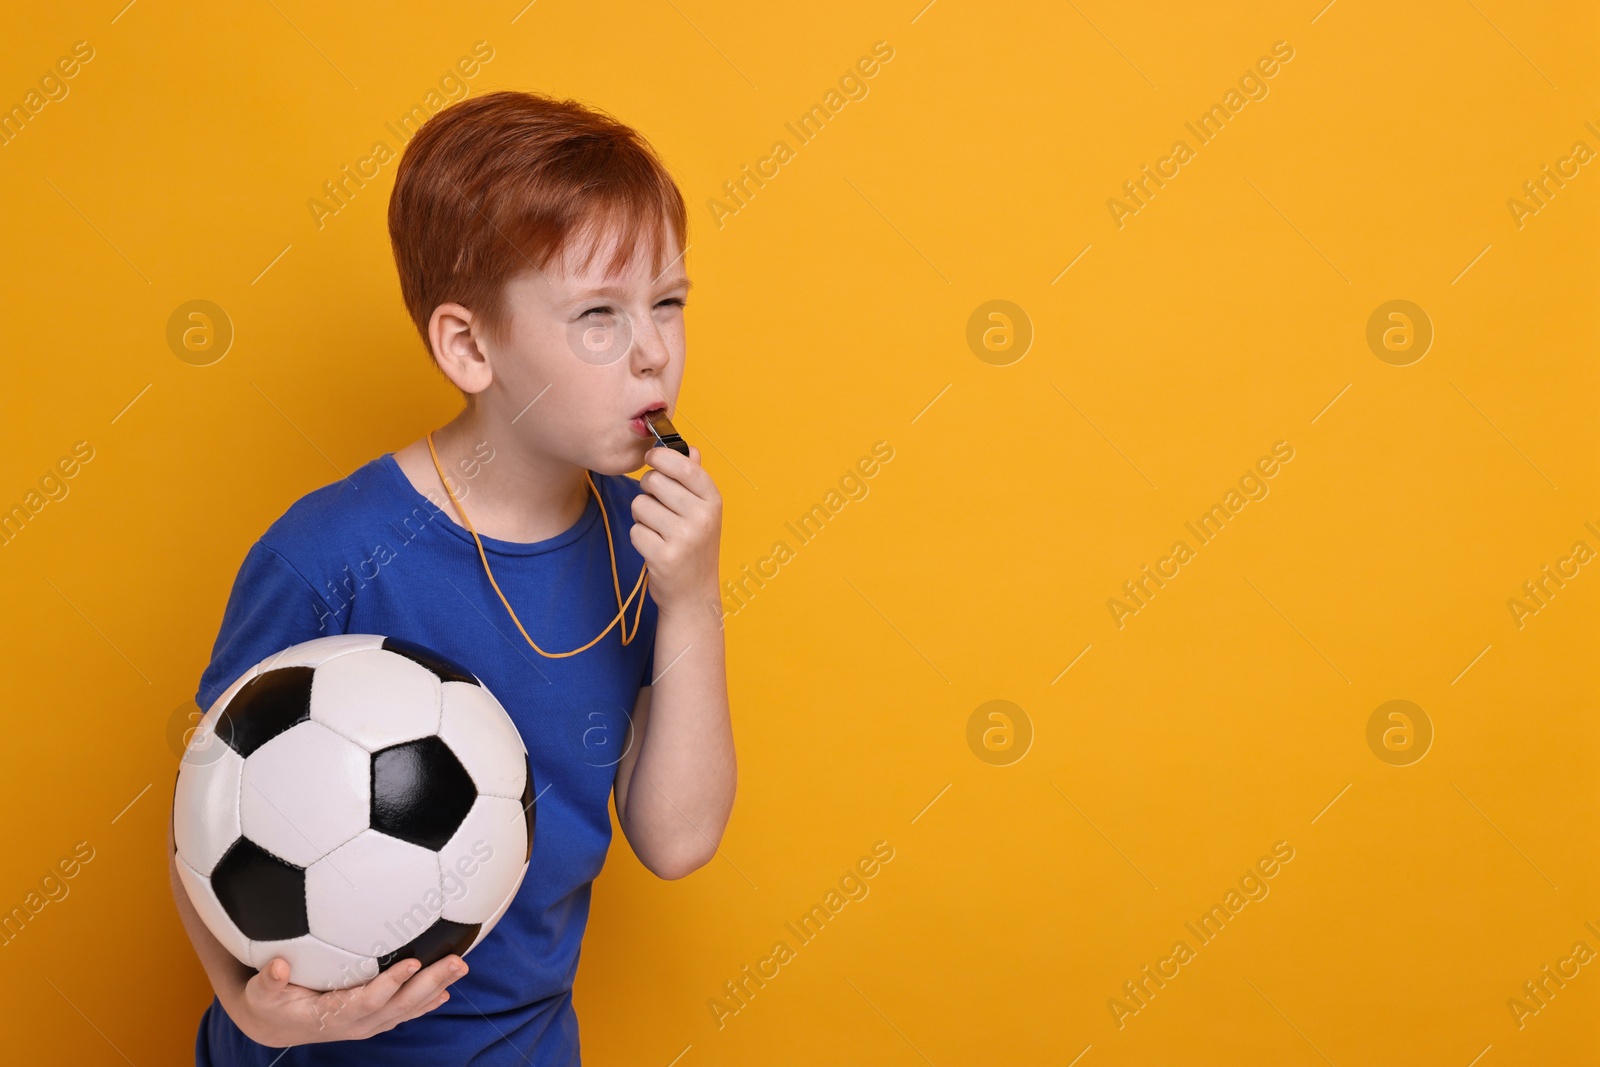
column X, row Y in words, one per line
column 598, row 311
column 673, row 301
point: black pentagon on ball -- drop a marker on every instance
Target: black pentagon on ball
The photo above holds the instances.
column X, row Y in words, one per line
column 420, row 792
column 529, row 804
column 265, row 707
column 434, row 943
column 446, row 668
column 264, row 896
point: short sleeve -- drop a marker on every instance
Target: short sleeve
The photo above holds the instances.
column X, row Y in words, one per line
column 271, row 607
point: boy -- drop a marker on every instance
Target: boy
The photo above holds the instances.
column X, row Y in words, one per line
column 539, row 246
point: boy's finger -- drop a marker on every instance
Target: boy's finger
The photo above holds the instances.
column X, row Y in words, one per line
column 673, row 461
column 418, row 995
column 381, row 990
column 654, row 515
column 667, row 489
column 686, row 470
column 647, row 541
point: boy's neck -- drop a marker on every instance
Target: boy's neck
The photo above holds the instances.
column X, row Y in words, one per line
column 511, row 497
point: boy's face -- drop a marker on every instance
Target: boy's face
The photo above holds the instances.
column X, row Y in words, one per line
column 595, row 350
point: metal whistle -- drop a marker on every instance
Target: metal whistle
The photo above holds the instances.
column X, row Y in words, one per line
column 667, row 435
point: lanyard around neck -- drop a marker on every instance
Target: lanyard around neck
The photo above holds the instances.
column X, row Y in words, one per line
column 639, row 587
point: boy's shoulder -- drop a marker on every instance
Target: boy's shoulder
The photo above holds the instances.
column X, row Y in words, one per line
column 348, row 511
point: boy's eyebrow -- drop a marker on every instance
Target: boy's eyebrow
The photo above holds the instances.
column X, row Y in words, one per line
column 619, row 291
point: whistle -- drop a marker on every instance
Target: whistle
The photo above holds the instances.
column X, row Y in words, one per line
column 667, row 435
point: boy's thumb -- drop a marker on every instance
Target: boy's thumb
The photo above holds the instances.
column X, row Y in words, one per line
column 276, row 972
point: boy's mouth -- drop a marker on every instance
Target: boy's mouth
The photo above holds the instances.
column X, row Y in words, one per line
column 639, row 426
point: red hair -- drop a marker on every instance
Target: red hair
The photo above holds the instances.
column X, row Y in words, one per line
column 499, row 184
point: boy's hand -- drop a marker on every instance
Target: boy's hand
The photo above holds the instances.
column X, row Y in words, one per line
column 278, row 1014
column 678, row 529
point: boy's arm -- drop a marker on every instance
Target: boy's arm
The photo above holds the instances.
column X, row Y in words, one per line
column 271, row 607
column 675, row 787
column 228, row 976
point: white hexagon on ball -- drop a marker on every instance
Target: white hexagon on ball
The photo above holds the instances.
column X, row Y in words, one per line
column 374, row 894
column 314, row 963
column 205, row 806
column 305, row 793
column 484, row 739
column 376, row 698
column 484, row 859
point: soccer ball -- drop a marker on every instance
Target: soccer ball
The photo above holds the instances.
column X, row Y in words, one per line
column 349, row 802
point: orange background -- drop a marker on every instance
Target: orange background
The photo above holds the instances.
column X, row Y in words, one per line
column 831, row 311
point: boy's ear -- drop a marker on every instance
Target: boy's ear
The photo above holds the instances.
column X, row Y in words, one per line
column 456, row 350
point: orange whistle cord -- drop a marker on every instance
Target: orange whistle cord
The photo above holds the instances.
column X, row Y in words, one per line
column 639, row 587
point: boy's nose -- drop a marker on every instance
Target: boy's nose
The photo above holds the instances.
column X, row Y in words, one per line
column 649, row 347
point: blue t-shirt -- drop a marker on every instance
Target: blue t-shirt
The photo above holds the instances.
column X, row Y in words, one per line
column 371, row 554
